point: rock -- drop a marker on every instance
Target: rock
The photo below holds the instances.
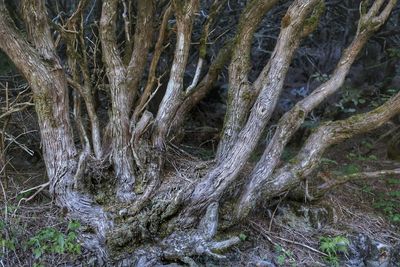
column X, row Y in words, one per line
column 359, row 249
column 369, row 253
column 317, row 216
column 306, row 217
column 264, row 263
column 365, row 252
column 379, row 256
column 395, row 260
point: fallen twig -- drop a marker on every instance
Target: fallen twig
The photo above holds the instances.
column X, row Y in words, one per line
column 267, row 234
column 39, row 187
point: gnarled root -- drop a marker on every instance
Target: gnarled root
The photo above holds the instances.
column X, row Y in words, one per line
column 183, row 245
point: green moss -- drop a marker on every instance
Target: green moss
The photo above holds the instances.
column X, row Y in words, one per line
column 203, row 47
column 139, row 188
column 247, row 95
column 101, row 198
column 311, row 23
column 364, row 7
column 302, row 114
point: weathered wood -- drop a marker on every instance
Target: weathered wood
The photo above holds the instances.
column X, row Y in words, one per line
column 49, row 85
column 326, row 135
column 121, row 101
column 212, row 186
column 293, row 119
column 241, row 93
column 184, row 12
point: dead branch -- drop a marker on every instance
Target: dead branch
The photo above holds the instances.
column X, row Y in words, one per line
column 333, row 183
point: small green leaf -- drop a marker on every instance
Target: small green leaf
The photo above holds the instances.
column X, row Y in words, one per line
column 242, row 237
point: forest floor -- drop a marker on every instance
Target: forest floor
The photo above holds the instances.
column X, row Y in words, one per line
column 286, row 233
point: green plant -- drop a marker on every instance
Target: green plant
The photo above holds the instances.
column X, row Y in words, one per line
column 6, row 243
column 349, row 169
column 361, row 157
column 50, row 240
column 320, row 77
column 394, row 53
column 393, row 181
column 383, row 97
column 284, row 256
column 351, row 99
column 332, row 246
column 242, row 237
column 329, row 161
column 389, row 204
column 7, row 235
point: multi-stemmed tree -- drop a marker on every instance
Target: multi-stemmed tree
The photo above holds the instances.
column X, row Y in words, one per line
column 145, row 203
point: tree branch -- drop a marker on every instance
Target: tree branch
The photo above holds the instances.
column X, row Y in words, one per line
column 214, row 10
column 326, row 135
column 202, row 89
column 292, row 120
column 121, row 99
column 151, row 80
column 184, row 12
column 36, row 23
column 142, row 42
column 331, row 184
column 212, row 186
column 73, row 32
column 241, row 94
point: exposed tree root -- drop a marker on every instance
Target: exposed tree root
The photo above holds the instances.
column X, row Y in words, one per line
column 183, row 245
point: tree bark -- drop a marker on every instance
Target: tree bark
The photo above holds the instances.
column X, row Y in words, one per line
column 121, row 100
column 173, row 97
column 212, row 186
column 241, row 94
column 46, row 78
column 292, row 120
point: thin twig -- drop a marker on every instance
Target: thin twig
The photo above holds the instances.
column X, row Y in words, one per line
column 159, row 84
column 5, row 207
column 41, row 187
column 266, row 234
column 273, row 214
column 196, row 77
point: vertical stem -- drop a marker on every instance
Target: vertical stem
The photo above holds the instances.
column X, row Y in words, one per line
column 174, row 95
column 121, row 102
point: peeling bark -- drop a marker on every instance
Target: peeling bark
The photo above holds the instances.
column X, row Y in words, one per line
column 49, row 86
